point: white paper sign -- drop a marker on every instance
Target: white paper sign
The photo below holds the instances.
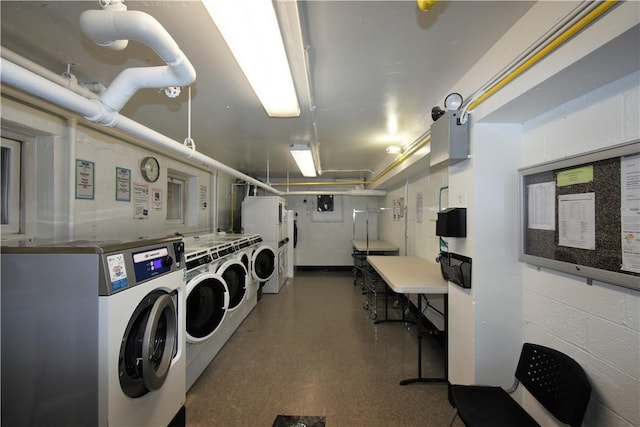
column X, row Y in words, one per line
column 630, row 212
column 541, row 204
column 577, row 220
column 140, row 200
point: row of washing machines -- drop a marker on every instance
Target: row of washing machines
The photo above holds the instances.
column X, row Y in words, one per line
column 114, row 332
column 224, row 273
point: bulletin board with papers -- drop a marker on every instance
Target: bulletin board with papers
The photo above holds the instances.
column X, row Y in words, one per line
column 581, row 215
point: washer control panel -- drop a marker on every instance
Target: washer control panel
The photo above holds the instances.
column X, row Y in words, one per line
column 128, row 266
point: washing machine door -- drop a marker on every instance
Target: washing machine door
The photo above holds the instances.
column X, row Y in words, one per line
column 246, row 261
column 207, row 305
column 149, row 344
column 235, row 276
column 263, row 263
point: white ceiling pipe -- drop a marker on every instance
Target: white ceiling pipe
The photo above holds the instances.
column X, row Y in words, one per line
column 48, row 74
column 353, row 193
column 29, row 82
column 110, row 27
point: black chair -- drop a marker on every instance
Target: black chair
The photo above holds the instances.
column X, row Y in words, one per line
column 556, row 380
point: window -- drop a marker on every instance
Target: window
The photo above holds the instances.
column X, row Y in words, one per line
column 176, row 199
column 10, row 161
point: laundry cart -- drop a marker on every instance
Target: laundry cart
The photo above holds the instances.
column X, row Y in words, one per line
column 375, row 288
column 364, row 248
column 359, row 264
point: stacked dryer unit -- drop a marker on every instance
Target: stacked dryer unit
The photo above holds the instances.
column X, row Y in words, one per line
column 265, row 215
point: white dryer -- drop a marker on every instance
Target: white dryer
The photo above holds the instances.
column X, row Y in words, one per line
column 207, row 304
column 245, row 245
column 234, row 273
column 248, row 246
column 264, row 265
column 93, row 333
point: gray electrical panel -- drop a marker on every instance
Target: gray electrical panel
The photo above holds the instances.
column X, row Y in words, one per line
column 449, row 140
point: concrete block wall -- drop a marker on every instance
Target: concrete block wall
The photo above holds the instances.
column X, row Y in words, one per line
column 598, row 325
column 421, row 240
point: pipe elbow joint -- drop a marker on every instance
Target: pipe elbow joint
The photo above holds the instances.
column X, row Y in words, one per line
column 100, row 26
column 103, row 115
column 183, row 70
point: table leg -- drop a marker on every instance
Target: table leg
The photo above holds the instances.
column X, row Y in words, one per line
column 420, row 378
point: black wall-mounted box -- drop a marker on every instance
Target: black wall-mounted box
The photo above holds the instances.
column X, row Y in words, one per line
column 452, row 222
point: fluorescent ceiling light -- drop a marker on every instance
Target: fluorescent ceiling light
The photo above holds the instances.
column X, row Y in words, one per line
column 304, row 159
column 250, row 29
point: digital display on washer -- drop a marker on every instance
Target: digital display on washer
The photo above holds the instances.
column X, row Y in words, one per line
column 151, row 263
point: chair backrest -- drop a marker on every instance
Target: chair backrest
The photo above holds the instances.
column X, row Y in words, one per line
column 556, row 380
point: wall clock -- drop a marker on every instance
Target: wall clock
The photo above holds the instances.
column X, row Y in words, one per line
column 150, row 169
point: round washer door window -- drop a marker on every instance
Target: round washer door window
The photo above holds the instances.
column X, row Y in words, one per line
column 235, row 276
column 207, row 304
column 148, row 345
column 264, row 263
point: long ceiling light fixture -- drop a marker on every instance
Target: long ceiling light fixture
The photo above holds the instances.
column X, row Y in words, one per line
column 304, row 159
column 250, row 29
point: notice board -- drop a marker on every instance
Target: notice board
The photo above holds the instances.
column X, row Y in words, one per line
column 581, row 215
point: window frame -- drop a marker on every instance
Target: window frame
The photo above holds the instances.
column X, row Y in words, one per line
column 12, row 195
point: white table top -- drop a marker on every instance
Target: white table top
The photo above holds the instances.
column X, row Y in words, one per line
column 374, row 245
column 410, row 274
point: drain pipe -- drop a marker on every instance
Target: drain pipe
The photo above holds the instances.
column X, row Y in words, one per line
column 112, row 27
column 72, row 124
column 29, row 82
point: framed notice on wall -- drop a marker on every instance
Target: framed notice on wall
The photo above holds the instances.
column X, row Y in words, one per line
column 85, row 179
column 123, row 184
column 581, row 215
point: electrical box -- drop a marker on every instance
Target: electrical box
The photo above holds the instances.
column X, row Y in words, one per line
column 452, row 222
column 449, row 140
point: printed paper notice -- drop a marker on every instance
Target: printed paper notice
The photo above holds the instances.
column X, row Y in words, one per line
column 630, row 212
column 541, row 206
column 117, row 272
column 140, row 201
column 577, row 220
column 156, row 199
column 84, row 179
column 581, row 175
column 203, row 197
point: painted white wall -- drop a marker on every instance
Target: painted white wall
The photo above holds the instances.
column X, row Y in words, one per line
column 486, row 320
column 328, row 242
column 52, row 211
column 597, row 325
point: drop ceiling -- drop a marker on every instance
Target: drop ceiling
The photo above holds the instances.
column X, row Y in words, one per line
column 369, row 62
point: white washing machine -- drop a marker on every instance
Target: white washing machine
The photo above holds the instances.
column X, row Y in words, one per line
column 93, row 333
column 207, row 304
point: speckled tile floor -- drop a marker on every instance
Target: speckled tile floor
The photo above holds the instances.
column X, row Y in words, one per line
column 313, row 350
